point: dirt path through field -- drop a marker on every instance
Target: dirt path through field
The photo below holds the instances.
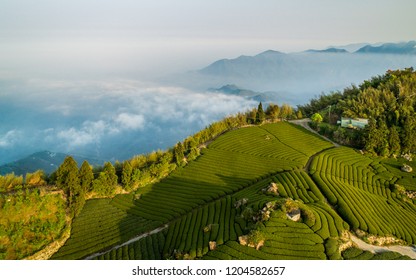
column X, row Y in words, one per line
column 134, row 239
column 304, row 123
column 404, row 250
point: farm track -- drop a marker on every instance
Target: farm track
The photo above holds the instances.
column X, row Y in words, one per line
column 134, row 239
column 404, row 250
column 304, row 123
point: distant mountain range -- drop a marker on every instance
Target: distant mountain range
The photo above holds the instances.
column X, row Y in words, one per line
column 304, row 75
column 329, row 50
column 391, row 48
column 45, row 160
column 386, row 48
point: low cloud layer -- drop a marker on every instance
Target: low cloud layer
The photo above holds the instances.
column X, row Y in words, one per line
column 9, row 138
column 106, row 120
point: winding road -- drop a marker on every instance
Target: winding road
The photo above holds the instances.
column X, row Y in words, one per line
column 404, row 250
column 304, row 123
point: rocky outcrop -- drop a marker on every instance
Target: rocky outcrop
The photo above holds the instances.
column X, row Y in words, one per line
column 212, row 245
column 406, row 168
column 273, row 188
column 294, row 214
column 244, row 240
column 240, row 203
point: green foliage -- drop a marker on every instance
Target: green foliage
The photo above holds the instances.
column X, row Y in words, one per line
column 388, row 101
column 351, row 253
column 260, row 115
column 106, row 182
column 316, row 118
column 86, row 177
column 179, row 154
column 67, row 175
column 67, row 179
column 332, row 249
column 283, row 239
column 37, row 178
column 110, row 172
column 21, row 232
column 273, row 111
column 99, row 226
column 127, row 176
column 358, row 254
column 9, row 182
column 358, row 187
column 101, row 187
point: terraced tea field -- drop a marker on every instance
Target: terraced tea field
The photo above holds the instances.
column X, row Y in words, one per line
column 223, row 197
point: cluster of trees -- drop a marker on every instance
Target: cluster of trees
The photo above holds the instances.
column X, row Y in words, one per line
column 75, row 183
column 387, row 101
column 21, row 232
column 273, row 112
column 12, row 182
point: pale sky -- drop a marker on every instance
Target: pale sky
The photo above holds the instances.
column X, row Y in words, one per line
column 166, row 35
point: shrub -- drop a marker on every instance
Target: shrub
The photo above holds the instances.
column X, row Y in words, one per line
column 351, row 252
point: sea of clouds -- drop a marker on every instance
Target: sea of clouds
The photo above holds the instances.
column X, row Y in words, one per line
column 103, row 119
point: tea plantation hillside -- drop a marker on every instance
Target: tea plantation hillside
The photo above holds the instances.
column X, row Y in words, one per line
column 275, row 191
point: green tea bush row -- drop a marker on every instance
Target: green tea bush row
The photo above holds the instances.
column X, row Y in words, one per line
column 191, row 233
column 147, row 248
column 101, row 225
column 364, row 202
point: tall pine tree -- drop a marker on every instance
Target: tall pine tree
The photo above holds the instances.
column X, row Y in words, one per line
column 111, row 174
column 126, row 175
column 86, row 177
column 178, row 153
column 68, row 180
column 260, row 115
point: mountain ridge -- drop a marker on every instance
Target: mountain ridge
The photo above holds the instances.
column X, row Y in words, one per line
column 391, row 48
column 43, row 160
column 305, row 74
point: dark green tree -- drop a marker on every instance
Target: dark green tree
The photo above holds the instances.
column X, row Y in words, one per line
column 383, row 148
column 178, row 153
column 394, row 141
column 100, row 185
column 86, row 176
column 371, row 142
column 106, row 182
column 68, row 180
column 260, row 115
column 126, row 175
column 111, row 175
column 409, row 135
